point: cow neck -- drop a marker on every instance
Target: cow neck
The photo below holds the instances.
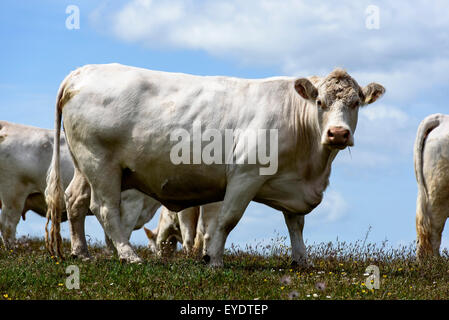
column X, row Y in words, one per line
column 322, row 162
column 313, row 160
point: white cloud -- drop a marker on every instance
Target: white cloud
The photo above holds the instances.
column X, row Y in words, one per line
column 408, row 53
column 386, row 128
column 360, row 158
column 382, row 112
column 384, row 136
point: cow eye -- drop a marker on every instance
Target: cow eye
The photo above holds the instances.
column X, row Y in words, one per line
column 320, row 104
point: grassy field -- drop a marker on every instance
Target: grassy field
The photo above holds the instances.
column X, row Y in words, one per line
column 29, row 272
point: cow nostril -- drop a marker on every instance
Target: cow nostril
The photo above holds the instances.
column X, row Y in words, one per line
column 338, row 135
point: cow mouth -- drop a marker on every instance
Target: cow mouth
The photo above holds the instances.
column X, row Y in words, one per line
column 339, row 146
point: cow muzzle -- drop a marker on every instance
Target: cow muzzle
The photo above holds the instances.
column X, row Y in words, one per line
column 338, row 137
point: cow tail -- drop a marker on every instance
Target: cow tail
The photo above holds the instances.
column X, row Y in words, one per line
column 423, row 222
column 54, row 194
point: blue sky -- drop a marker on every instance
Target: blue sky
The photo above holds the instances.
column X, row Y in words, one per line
column 373, row 185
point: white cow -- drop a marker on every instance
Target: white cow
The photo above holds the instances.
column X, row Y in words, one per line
column 131, row 127
column 25, row 155
column 187, row 227
column 431, row 159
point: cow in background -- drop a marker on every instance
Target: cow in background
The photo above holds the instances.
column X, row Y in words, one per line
column 431, row 160
column 25, row 156
column 186, row 227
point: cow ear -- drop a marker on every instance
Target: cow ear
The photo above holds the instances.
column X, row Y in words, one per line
column 306, row 89
column 149, row 233
column 372, row 92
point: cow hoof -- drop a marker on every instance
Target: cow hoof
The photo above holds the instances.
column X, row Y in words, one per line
column 212, row 263
column 82, row 257
column 109, row 254
column 302, row 264
column 215, row 265
column 136, row 260
column 86, row 258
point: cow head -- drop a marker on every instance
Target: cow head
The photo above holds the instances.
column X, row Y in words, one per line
column 337, row 98
column 161, row 249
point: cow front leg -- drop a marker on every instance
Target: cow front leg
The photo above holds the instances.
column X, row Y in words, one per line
column 77, row 198
column 239, row 192
column 295, row 225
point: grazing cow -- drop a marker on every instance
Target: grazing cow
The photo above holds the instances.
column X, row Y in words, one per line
column 187, row 227
column 170, row 229
column 25, row 156
column 123, row 126
column 431, row 159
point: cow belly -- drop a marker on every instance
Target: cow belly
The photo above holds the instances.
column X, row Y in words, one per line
column 178, row 186
column 36, row 203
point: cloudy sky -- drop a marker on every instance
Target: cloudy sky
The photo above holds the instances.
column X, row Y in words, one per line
column 402, row 45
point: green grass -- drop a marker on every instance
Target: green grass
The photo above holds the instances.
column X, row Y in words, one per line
column 263, row 272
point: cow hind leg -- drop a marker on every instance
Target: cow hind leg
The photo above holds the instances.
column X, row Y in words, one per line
column 431, row 215
column 105, row 204
column 77, row 198
column 430, row 225
column 438, row 220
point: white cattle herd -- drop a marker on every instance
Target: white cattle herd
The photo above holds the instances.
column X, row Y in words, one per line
column 135, row 140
